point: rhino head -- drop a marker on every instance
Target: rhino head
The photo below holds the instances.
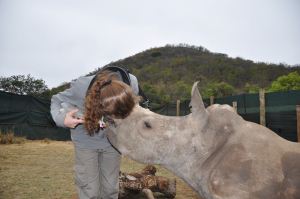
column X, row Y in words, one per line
column 214, row 150
column 151, row 138
column 176, row 142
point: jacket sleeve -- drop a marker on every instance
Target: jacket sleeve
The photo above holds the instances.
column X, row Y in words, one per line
column 61, row 103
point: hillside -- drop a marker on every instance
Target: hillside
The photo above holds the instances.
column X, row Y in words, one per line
column 167, row 73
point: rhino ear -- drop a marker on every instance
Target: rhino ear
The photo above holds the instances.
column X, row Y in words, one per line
column 196, row 103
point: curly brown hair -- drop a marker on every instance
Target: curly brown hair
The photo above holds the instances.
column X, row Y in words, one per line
column 108, row 96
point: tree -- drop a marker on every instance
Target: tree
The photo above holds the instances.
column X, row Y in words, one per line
column 23, row 85
column 182, row 90
column 251, row 88
column 286, row 82
column 151, row 92
column 218, row 89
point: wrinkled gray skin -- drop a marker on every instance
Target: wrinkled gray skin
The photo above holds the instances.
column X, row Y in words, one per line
column 214, row 150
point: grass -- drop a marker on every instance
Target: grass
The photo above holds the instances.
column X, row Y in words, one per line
column 10, row 138
column 44, row 170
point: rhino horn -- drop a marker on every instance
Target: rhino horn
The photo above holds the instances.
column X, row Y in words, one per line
column 196, row 104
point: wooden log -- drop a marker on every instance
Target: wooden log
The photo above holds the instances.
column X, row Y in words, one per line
column 177, row 107
column 262, row 107
column 298, row 121
column 211, row 99
column 145, row 183
column 234, row 105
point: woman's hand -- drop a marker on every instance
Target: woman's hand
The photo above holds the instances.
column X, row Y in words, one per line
column 71, row 120
column 102, row 124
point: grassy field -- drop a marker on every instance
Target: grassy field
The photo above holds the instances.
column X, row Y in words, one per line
column 44, row 169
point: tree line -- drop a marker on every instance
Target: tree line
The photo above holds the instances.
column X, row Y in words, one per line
column 28, row 85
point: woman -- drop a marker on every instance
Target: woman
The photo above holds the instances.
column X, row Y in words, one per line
column 81, row 108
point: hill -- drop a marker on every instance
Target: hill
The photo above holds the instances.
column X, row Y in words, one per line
column 167, row 73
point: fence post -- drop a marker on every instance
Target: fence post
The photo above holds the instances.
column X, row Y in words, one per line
column 262, row 107
column 177, row 107
column 167, row 108
column 211, row 98
column 234, row 105
column 298, row 121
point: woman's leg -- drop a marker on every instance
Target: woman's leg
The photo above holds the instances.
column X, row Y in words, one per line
column 109, row 162
column 87, row 173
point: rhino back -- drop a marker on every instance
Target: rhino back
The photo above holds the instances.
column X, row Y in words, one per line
column 249, row 160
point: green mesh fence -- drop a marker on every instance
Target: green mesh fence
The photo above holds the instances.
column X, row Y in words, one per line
column 280, row 110
column 30, row 117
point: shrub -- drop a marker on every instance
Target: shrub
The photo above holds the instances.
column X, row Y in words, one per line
column 46, row 141
column 10, row 138
column 286, row 82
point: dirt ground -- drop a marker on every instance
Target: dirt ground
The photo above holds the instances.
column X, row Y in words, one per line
column 44, row 169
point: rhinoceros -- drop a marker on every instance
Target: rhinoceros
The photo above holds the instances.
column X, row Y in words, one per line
column 214, row 150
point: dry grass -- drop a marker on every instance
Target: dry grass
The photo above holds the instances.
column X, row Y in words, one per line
column 10, row 138
column 44, row 169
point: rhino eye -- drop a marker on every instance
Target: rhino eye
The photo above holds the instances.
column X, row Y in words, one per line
column 147, row 124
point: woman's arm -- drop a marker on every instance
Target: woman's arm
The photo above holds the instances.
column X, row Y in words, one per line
column 63, row 110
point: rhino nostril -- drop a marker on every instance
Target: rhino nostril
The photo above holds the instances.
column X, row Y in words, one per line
column 147, row 124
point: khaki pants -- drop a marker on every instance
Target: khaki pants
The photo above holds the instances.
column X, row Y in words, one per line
column 97, row 173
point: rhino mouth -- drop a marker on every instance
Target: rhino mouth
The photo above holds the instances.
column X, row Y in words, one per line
column 109, row 121
column 111, row 126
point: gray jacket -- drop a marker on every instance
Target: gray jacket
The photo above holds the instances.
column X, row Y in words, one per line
column 72, row 98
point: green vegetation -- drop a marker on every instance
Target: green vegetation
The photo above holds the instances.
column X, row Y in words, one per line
column 24, row 85
column 286, row 82
column 167, row 73
column 28, row 85
column 218, row 89
column 251, row 88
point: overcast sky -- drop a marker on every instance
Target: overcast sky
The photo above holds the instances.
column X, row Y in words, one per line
column 59, row 40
